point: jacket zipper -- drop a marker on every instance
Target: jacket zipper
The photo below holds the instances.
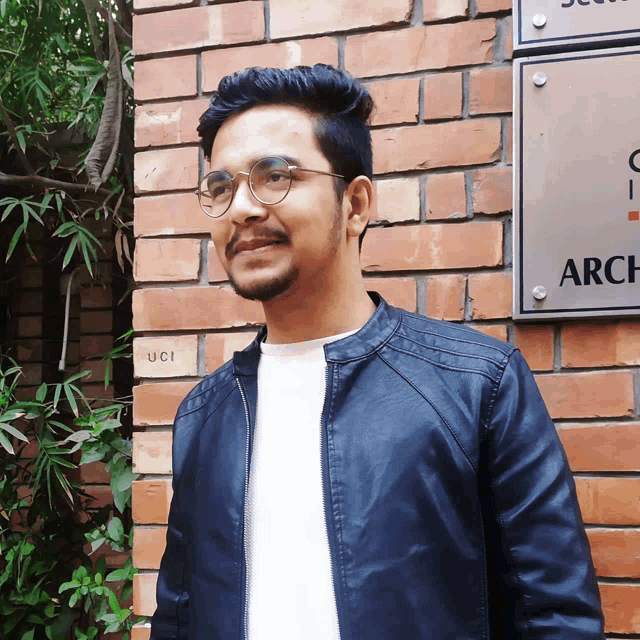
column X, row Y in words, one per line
column 324, row 506
column 245, row 613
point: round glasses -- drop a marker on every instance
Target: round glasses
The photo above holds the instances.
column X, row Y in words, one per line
column 269, row 181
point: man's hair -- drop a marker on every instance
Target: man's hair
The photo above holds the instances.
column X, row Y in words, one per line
column 340, row 105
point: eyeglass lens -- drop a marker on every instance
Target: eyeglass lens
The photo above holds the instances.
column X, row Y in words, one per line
column 269, row 180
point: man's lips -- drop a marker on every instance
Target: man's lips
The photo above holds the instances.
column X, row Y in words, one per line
column 255, row 243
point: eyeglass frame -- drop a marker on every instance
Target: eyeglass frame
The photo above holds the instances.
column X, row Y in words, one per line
column 290, row 167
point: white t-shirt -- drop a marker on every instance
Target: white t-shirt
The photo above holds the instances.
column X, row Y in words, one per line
column 290, row 585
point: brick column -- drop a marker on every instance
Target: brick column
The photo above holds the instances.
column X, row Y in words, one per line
column 440, row 73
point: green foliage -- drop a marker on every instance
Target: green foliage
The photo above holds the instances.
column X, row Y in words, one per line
column 48, row 584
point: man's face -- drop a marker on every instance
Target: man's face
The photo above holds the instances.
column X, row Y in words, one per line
column 268, row 250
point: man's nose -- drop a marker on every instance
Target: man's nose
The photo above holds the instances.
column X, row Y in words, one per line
column 245, row 207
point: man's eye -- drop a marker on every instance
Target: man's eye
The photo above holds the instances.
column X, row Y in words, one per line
column 277, row 176
column 219, row 191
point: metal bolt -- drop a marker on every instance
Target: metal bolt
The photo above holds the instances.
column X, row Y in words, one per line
column 539, row 20
column 539, row 292
column 539, row 78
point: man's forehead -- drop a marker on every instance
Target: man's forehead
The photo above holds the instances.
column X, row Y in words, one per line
column 262, row 131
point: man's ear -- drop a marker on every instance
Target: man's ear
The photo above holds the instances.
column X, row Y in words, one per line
column 359, row 205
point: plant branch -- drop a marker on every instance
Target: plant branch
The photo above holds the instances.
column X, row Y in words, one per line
column 14, row 138
column 125, row 14
column 121, row 32
column 48, row 183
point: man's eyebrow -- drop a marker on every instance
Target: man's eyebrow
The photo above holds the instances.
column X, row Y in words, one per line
column 250, row 162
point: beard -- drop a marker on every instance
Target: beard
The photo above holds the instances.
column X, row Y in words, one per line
column 266, row 291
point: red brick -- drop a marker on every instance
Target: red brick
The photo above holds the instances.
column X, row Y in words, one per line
column 222, row 62
column 96, row 321
column 490, row 91
column 27, row 350
column 446, row 196
column 216, row 270
column 141, row 631
column 29, row 326
column 498, row 331
column 615, row 552
column 150, row 501
column 492, row 190
column 492, row 6
column 399, row 292
column 198, row 27
column 96, row 369
column 397, row 200
column 434, row 246
column 620, row 607
column 434, row 10
column 445, row 297
column 447, row 144
column 535, row 341
column 508, row 38
column 591, row 394
column 31, row 374
column 170, row 260
column 93, row 392
column 610, row 343
column 437, row 46
column 491, row 295
column 308, row 16
column 176, row 213
column 157, row 404
column 96, row 297
column 165, row 78
column 141, row 5
column 152, row 451
column 27, row 302
column 221, row 346
column 396, row 101
column 101, row 495
column 609, row 500
column 166, row 169
column 95, row 346
column 602, row 447
column 168, row 123
column 165, row 357
column 29, row 278
column 149, row 544
column 443, row 96
column 144, row 594
column 192, row 308
column 94, row 473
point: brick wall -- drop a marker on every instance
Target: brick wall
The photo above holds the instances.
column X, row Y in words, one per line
column 440, row 72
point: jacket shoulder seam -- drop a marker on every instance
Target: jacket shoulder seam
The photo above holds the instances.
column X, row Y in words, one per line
column 433, row 406
column 453, row 353
column 441, row 365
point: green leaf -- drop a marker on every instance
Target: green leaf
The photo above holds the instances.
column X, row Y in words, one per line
column 114, row 604
column 14, row 432
column 56, row 395
column 41, row 393
column 28, row 635
column 71, row 399
column 76, row 376
column 14, row 240
column 116, row 529
column 4, row 442
column 70, row 249
column 75, row 596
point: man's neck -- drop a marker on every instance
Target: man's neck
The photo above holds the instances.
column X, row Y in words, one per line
column 298, row 317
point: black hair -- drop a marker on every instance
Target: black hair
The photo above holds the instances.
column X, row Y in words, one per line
column 340, row 104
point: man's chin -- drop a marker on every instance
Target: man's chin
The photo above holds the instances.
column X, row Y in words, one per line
column 265, row 290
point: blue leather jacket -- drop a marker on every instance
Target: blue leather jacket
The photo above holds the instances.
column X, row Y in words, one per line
column 450, row 506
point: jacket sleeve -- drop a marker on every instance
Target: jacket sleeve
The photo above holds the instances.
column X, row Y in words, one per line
column 542, row 580
column 170, row 620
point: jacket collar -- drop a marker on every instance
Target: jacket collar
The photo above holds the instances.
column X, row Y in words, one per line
column 378, row 329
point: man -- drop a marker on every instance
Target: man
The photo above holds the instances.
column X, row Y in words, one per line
column 358, row 471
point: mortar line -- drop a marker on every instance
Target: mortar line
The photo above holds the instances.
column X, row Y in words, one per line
column 267, row 20
column 421, row 295
column 422, row 197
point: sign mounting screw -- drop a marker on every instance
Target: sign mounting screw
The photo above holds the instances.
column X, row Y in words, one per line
column 539, row 78
column 539, row 292
column 539, row 20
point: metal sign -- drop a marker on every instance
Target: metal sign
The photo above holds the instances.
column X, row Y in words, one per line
column 563, row 24
column 577, row 185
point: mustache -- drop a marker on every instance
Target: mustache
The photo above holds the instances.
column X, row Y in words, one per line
column 275, row 235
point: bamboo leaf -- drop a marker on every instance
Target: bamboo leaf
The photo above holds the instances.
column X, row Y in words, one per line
column 14, row 432
column 72, row 401
column 4, row 442
column 14, row 240
column 69, row 254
